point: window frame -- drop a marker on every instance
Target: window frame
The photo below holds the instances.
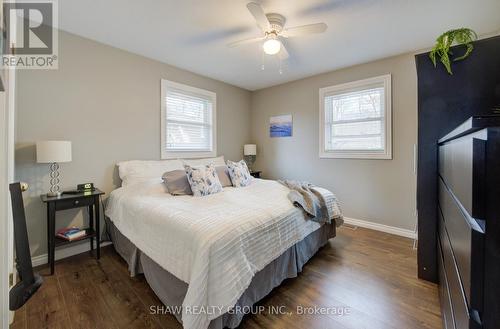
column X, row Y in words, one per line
column 166, row 154
column 386, row 153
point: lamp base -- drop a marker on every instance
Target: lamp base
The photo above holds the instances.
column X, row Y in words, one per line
column 54, row 190
column 249, row 160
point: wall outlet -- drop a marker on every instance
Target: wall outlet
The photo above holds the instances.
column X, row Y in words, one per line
column 11, row 279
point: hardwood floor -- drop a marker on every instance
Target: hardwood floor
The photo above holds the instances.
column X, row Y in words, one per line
column 371, row 275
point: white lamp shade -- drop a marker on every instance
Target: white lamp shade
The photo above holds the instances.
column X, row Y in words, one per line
column 250, row 149
column 53, row 151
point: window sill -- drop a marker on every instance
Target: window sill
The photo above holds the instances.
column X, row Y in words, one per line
column 355, row 155
column 165, row 155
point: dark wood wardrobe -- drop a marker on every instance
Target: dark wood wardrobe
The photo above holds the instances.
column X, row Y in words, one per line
column 444, row 103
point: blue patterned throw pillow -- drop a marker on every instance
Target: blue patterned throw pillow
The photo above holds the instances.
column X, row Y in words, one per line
column 203, row 180
column 239, row 173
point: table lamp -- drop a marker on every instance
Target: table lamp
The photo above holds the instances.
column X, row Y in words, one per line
column 249, row 153
column 53, row 152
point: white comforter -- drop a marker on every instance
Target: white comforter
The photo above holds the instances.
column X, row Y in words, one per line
column 215, row 243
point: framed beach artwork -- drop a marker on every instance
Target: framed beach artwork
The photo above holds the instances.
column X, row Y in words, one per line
column 281, row 126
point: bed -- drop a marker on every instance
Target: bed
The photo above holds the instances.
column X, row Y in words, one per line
column 207, row 258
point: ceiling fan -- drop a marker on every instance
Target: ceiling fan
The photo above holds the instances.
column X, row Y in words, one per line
column 272, row 25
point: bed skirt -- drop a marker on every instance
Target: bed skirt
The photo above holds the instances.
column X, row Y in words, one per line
column 171, row 291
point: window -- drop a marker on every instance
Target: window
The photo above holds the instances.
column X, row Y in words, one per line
column 355, row 120
column 187, row 121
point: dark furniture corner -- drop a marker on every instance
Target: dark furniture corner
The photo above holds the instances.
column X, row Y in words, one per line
column 444, row 102
column 30, row 281
column 89, row 200
column 256, row 174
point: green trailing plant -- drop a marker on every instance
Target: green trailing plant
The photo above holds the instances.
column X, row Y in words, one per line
column 442, row 49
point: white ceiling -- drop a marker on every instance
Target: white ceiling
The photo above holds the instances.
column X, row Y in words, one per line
column 192, row 34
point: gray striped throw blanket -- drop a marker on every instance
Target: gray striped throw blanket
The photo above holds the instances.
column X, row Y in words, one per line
column 320, row 204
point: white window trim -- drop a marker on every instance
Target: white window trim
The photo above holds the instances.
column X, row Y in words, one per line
column 360, row 84
column 187, row 154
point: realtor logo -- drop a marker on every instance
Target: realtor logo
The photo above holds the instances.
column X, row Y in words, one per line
column 30, row 35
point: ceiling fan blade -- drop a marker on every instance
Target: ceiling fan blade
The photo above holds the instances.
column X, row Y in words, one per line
column 304, row 30
column 283, row 54
column 244, row 42
column 259, row 15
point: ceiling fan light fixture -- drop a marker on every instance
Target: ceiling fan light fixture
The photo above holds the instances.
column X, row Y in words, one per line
column 272, row 46
column 272, row 27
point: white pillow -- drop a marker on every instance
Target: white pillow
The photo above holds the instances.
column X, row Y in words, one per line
column 135, row 171
column 203, row 180
column 218, row 161
column 239, row 173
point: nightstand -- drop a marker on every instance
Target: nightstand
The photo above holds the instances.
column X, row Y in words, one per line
column 90, row 200
column 256, row 174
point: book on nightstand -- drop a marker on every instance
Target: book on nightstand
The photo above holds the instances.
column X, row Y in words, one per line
column 71, row 233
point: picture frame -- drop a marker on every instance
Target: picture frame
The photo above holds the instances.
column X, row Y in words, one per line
column 281, row 126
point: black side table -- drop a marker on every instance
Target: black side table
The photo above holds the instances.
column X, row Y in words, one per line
column 71, row 201
column 256, row 174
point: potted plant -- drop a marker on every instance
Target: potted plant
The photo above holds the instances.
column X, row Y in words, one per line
column 442, row 48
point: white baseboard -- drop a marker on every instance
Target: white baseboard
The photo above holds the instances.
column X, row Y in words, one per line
column 381, row 227
column 65, row 252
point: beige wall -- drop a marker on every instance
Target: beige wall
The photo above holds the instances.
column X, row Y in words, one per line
column 107, row 102
column 381, row 191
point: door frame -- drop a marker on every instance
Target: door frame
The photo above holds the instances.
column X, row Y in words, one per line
column 7, row 145
column 4, row 255
column 7, row 174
